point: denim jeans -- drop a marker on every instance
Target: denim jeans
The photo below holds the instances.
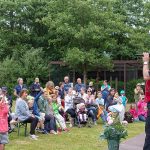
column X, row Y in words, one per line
column 147, row 130
column 92, row 113
column 71, row 112
column 50, row 123
column 103, row 117
column 142, row 118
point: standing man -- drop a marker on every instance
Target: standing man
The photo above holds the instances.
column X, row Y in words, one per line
column 19, row 87
column 35, row 87
column 67, row 85
column 146, row 76
column 79, row 85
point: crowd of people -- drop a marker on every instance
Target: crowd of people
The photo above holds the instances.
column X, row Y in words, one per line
column 48, row 109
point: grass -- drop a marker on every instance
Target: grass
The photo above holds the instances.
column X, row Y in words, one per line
column 77, row 139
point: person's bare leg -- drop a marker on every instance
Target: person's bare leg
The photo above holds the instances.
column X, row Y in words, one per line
column 2, row 146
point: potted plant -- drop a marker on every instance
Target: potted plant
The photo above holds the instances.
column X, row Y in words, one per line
column 113, row 132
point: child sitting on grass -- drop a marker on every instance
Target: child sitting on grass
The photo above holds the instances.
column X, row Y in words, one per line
column 133, row 112
column 56, row 107
column 142, row 109
column 3, row 123
column 118, row 107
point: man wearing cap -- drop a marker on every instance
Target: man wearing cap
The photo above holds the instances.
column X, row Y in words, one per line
column 146, row 76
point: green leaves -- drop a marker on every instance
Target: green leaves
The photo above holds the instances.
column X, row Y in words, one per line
column 114, row 132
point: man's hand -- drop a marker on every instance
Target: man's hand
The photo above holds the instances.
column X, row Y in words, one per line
column 146, row 57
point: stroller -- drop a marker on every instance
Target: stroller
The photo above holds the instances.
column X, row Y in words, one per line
column 81, row 112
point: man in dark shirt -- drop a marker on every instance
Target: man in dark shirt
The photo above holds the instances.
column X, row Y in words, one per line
column 19, row 87
column 35, row 88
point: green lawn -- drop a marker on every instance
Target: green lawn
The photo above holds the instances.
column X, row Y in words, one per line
column 77, row 139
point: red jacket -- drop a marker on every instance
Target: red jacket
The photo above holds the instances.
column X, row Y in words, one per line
column 147, row 91
column 142, row 109
column 134, row 113
column 3, row 118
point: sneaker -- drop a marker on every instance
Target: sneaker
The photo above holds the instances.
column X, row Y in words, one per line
column 33, row 137
column 53, row 132
column 44, row 132
column 66, row 130
column 70, row 125
column 36, row 136
column 59, row 130
column 95, row 123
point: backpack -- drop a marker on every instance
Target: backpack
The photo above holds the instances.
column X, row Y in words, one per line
column 128, row 117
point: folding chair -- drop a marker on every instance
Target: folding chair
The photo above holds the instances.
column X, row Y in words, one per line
column 24, row 125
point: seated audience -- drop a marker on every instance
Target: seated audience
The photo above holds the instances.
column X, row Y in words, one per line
column 23, row 113
column 56, row 107
column 101, row 109
column 134, row 112
column 45, row 109
column 69, row 106
column 142, row 109
column 91, row 105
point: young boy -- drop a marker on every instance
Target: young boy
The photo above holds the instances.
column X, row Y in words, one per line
column 3, row 123
column 123, row 98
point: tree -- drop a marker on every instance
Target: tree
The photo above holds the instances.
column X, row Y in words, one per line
column 85, row 61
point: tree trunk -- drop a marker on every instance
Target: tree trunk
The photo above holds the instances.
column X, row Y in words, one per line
column 74, row 76
column 84, row 74
column 97, row 79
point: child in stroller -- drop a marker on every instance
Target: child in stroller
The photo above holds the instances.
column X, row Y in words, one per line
column 81, row 111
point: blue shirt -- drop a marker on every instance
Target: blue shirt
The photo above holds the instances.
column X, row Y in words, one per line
column 22, row 110
column 78, row 87
column 18, row 88
column 100, row 101
column 66, row 87
column 35, row 104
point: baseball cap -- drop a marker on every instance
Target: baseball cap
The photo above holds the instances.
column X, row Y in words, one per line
column 122, row 92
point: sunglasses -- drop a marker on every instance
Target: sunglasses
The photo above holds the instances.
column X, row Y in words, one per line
column 88, row 91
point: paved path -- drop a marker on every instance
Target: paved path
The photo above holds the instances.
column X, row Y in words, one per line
column 135, row 143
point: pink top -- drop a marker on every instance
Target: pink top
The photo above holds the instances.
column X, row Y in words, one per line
column 3, row 118
column 142, row 108
column 134, row 113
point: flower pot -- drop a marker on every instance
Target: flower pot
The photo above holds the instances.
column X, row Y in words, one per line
column 113, row 144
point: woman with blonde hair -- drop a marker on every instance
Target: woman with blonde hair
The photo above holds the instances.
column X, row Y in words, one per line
column 49, row 88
